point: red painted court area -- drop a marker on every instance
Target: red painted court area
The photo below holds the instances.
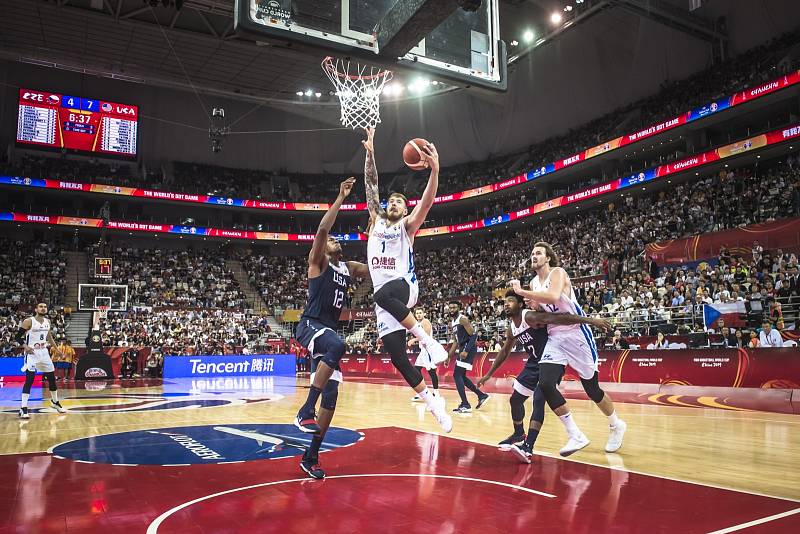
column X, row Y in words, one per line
column 395, row 480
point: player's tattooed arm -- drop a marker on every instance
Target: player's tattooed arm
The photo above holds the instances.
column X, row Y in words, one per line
column 417, row 217
column 537, row 319
column 358, row 269
column 371, row 176
column 508, row 346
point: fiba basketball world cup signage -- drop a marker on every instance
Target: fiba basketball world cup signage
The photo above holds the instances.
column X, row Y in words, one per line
column 274, row 9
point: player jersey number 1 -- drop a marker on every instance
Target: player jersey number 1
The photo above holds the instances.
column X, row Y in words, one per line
column 338, row 298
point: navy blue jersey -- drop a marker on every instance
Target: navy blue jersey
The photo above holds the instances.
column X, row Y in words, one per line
column 532, row 340
column 463, row 339
column 326, row 294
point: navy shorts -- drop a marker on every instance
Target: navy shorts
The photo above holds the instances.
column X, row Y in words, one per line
column 528, row 380
column 467, row 362
column 316, row 337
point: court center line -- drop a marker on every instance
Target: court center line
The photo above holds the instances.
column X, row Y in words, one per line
column 153, row 527
column 573, row 459
column 755, row 522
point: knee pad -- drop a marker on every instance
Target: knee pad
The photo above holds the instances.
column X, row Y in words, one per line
column 336, row 349
column 592, row 388
column 393, row 297
column 329, row 395
column 30, row 376
column 51, row 380
column 538, row 406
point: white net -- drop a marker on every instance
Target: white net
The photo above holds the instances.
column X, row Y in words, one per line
column 359, row 88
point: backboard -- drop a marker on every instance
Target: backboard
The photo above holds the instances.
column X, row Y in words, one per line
column 93, row 296
column 465, row 49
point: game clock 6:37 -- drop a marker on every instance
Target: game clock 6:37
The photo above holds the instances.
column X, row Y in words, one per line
column 76, row 123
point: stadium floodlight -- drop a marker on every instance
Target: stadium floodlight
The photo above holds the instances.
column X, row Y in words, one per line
column 555, row 18
column 299, row 93
column 309, row 92
column 528, row 36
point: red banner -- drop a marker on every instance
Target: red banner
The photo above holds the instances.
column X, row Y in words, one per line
column 738, row 368
column 783, row 234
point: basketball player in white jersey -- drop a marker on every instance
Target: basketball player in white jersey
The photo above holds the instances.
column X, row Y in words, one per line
column 424, row 360
column 551, row 290
column 34, row 335
column 390, row 258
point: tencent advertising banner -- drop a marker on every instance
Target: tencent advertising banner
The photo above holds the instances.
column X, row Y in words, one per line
column 631, row 138
column 230, row 365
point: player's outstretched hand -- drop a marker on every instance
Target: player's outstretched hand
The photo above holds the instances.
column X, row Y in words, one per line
column 430, row 156
column 369, row 142
column 346, row 186
column 27, row 349
column 602, row 324
column 482, row 380
column 515, row 285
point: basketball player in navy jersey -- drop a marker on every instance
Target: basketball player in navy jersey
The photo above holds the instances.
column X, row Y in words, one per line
column 465, row 342
column 328, row 279
column 390, row 257
column 573, row 345
column 34, row 335
column 529, row 329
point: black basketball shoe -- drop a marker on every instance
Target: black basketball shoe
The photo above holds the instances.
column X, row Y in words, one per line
column 307, row 422
column 523, row 452
column 312, row 468
column 482, row 400
column 513, row 439
column 23, row 413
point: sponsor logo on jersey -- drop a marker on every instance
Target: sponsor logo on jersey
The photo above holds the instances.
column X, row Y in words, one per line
column 202, row 444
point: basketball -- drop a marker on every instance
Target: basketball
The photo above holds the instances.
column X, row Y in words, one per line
column 412, row 154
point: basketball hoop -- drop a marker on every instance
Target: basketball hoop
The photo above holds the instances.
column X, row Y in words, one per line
column 358, row 88
column 102, row 312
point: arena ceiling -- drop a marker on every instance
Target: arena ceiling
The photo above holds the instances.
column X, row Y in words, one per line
column 196, row 45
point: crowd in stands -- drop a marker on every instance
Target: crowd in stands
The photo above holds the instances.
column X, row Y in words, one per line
column 10, row 320
column 176, row 332
column 755, row 66
column 32, row 271
column 176, row 278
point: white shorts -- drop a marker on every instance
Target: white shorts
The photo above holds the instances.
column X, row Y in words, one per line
column 337, row 375
column 580, row 353
column 38, row 361
column 424, row 360
column 388, row 324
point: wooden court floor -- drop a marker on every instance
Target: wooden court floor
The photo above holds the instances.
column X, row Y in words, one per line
column 52, row 456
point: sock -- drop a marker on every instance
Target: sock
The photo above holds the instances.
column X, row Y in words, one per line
column 313, row 451
column 569, row 424
column 428, row 396
column 519, row 429
column 436, row 391
column 311, row 401
column 25, row 397
column 532, row 435
column 54, row 396
column 613, row 419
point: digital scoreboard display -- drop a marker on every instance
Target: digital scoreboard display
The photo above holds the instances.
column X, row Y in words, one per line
column 75, row 123
column 103, row 267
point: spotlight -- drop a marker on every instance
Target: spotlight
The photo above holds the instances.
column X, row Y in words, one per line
column 514, row 42
column 299, row 93
column 528, row 36
column 318, row 94
column 568, row 9
column 555, row 18
column 309, row 92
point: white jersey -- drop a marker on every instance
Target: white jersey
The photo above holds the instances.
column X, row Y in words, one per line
column 389, row 253
column 567, row 303
column 36, row 337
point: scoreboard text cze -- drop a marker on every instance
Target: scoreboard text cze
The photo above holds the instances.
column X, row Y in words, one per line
column 71, row 122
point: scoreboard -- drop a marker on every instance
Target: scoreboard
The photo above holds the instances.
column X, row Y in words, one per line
column 103, row 267
column 75, row 123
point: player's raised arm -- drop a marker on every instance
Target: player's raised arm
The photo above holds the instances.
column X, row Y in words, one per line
column 558, row 280
column 506, row 349
column 536, row 319
column 371, row 177
column 358, row 269
column 316, row 256
column 417, row 217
